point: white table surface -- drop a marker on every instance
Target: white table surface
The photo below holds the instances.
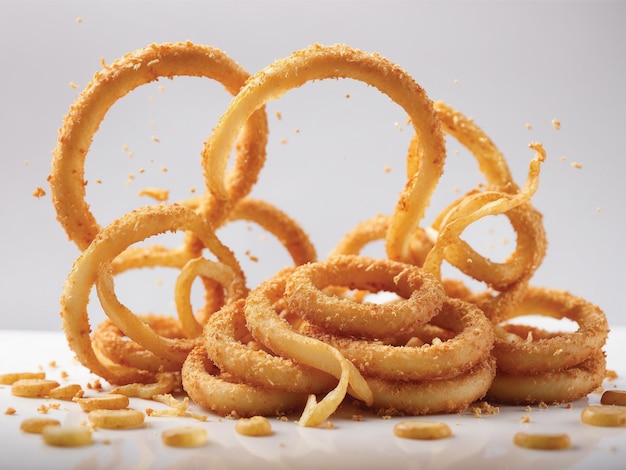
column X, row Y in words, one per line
column 485, row 442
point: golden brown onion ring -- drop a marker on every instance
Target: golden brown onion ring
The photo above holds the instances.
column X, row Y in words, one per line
column 471, row 344
column 284, row 228
column 110, row 342
column 218, row 272
column 421, row 295
column 339, row 61
column 112, row 240
column 277, row 335
column 207, row 387
column 67, row 180
column 451, row 395
column 223, row 336
column 555, row 351
column 549, row 387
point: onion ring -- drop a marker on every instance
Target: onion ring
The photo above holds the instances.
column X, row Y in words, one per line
column 422, row 295
column 276, row 334
column 115, row 81
column 556, row 351
column 208, row 388
column 222, row 341
column 435, row 396
column 221, row 273
column 110, row 342
column 111, row 241
column 471, row 344
column 558, row 386
column 339, row 61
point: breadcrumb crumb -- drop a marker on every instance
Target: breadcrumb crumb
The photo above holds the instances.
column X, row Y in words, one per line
column 39, row 192
column 556, row 124
column 577, row 165
column 10, row 411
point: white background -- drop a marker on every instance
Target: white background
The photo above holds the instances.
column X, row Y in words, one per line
column 507, row 64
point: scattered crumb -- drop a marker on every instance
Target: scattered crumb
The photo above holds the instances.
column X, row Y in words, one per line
column 79, row 20
column 44, row 408
column 161, row 88
column 528, row 409
column 542, row 406
column 192, row 190
column 484, row 408
column 98, row 181
column 398, row 126
column 283, row 140
column 610, row 374
column 251, row 257
column 455, row 81
column 39, row 192
column 556, row 124
column 357, row 417
column 568, row 406
column 524, row 419
column 26, row 163
column 154, row 138
column 387, row 169
column 96, row 385
column 279, row 115
column 73, row 86
column 155, row 193
column 283, row 419
column 10, row 411
column 528, row 126
column 347, row 95
column 329, row 425
column 297, row 131
column 577, row 165
column 164, row 169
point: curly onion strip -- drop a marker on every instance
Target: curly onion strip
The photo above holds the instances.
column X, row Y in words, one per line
column 339, row 61
column 471, row 344
column 224, row 337
column 277, row 335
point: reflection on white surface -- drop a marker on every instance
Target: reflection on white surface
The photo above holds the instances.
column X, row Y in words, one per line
column 484, row 442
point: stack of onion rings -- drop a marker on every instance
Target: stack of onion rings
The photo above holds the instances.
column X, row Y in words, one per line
column 311, row 330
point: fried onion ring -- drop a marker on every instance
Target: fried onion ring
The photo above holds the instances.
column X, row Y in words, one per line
column 91, row 268
column 339, row 61
column 212, row 390
column 223, row 335
column 277, row 335
column 471, row 344
column 556, row 351
column 115, row 81
column 558, row 386
column 421, row 295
